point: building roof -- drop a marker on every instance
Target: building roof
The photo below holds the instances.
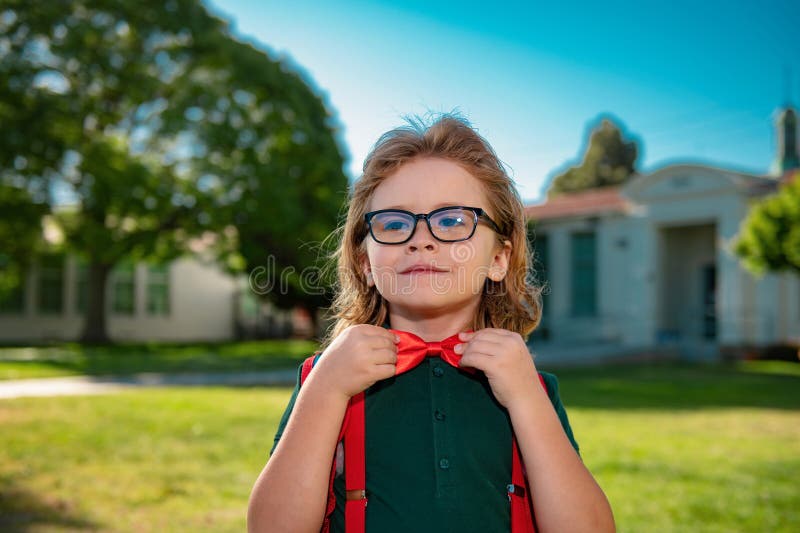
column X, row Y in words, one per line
column 790, row 175
column 584, row 203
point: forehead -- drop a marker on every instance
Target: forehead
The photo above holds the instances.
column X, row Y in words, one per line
column 424, row 184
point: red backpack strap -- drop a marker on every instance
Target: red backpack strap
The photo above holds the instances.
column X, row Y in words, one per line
column 355, row 467
column 308, row 365
column 519, row 492
column 355, row 470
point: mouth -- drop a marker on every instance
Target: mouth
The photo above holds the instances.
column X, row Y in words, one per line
column 422, row 270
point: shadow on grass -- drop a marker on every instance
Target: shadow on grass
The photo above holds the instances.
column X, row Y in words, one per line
column 23, row 511
column 159, row 357
column 682, row 386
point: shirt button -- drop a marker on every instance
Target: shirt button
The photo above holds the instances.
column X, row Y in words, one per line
column 438, row 371
column 444, row 464
column 438, row 415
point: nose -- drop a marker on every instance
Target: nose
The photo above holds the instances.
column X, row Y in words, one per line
column 422, row 237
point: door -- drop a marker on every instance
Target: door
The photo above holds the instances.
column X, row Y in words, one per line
column 709, row 303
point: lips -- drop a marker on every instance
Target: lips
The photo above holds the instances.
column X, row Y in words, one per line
column 421, row 269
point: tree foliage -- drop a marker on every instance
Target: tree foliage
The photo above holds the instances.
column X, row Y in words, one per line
column 143, row 125
column 608, row 160
column 769, row 238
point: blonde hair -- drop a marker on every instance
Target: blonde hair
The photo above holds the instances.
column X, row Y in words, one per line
column 513, row 303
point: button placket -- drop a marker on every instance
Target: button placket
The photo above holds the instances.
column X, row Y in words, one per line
column 441, row 439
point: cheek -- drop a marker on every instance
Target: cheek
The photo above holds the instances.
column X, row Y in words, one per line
column 383, row 263
column 471, row 266
column 463, row 253
column 373, row 254
column 480, row 272
column 471, row 254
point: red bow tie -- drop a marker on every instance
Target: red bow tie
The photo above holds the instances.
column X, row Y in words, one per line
column 412, row 350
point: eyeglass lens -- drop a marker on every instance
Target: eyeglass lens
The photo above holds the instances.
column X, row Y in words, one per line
column 447, row 225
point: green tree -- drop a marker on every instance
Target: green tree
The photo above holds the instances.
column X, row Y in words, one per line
column 142, row 125
column 769, row 238
column 608, row 160
column 275, row 175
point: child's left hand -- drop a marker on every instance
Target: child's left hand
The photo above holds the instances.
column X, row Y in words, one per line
column 503, row 356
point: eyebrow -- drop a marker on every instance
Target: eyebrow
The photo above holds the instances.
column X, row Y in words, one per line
column 437, row 206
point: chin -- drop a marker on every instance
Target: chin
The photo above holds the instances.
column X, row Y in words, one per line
column 425, row 301
column 421, row 286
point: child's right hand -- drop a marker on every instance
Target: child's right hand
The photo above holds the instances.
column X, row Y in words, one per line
column 356, row 359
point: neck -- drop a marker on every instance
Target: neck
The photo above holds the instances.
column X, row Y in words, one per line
column 432, row 326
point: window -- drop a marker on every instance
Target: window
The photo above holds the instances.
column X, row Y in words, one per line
column 81, row 286
column 12, row 300
column 584, row 274
column 51, row 284
column 123, row 289
column 12, row 288
column 158, row 290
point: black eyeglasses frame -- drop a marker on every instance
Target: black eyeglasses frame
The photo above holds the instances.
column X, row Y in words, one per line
column 477, row 212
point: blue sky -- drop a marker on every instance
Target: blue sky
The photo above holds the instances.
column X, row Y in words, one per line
column 690, row 81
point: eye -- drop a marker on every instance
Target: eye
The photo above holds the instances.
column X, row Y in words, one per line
column 451, row 221
column 393, row 222
column 395, row 225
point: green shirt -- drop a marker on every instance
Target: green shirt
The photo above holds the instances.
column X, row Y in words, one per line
column 438, row 452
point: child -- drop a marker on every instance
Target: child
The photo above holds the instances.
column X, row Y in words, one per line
column 434, row 247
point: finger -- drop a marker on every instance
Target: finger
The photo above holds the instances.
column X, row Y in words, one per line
column 488, row 347
column 385, row 371
column 495, row 333
column 385, row 356
column 476, row 360
column 483, row 334
column 381, row 342
column 389, row 342
column 386, row 334
column 472, row 337
column 377, row 331
column 466, row 335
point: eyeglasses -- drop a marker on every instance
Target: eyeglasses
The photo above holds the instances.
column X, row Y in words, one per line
column 446, row 224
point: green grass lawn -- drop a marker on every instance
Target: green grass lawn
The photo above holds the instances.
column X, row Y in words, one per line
column 72, row 358
column 676, row 448
column 692, row 448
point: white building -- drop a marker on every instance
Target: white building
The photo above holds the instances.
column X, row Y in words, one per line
column 648, row 265
column 188, row 300
column 185, row 300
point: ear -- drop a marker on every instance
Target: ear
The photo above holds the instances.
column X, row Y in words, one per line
column 500, row 262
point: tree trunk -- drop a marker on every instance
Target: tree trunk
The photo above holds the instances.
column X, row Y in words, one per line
column 94, row 329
